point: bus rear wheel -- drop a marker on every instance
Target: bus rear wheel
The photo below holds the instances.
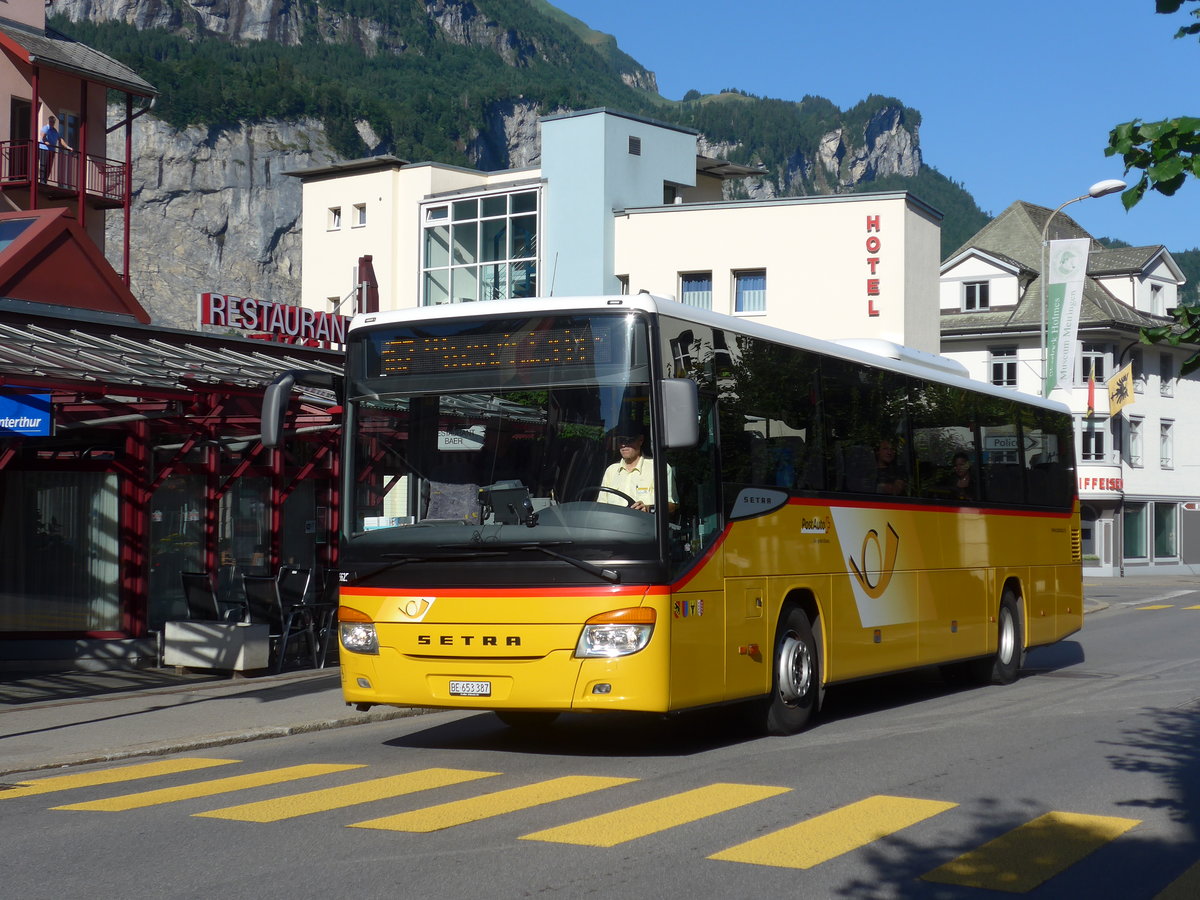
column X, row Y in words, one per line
column 796, row 675
column 1010, row 648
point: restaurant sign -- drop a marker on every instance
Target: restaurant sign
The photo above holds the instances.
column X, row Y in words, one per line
column 273, row 321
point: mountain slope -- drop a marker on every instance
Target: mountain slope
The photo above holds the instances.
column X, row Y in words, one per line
column 455, row 81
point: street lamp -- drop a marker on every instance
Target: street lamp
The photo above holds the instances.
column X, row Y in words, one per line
column 1099, row 189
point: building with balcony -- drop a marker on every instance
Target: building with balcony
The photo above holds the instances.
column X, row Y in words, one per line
column 47, row 75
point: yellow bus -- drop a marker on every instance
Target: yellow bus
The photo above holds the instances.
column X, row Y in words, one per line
column 818, row 513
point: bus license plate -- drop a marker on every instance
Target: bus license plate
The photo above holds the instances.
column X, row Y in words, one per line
column 470, row 689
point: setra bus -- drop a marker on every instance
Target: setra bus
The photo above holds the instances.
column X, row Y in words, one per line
column 819, row 513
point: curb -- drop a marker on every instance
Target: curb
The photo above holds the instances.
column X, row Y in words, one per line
column 225, row 739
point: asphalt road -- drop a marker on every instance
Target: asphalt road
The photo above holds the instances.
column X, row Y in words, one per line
column 1080, row 780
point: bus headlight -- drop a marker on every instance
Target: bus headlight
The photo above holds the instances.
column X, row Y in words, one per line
column 357, row 631
column 618, row 632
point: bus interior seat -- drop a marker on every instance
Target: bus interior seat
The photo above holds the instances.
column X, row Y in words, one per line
column 858, row 469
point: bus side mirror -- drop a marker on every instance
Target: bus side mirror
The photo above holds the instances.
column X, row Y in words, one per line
column 274, row 405
column 681, row 413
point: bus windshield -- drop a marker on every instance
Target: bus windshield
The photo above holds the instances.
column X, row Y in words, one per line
column 495, row 437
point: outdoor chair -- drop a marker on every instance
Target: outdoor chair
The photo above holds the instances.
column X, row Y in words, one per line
column 202, row 602
column 285, row 622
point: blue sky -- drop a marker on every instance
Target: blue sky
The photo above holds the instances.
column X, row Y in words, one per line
column 1016, row 97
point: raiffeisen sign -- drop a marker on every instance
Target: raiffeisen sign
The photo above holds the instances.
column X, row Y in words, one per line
column 273, row 321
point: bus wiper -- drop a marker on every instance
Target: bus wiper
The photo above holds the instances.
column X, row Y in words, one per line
column 611, row 575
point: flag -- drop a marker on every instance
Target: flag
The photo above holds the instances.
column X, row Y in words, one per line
column 1063, row 284
column 1120, row 390
column 1092, row 391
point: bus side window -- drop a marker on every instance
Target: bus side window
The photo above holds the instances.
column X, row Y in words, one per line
column 697, row 521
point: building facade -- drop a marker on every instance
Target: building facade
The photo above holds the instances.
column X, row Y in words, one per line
column 1139, row 472
column 622, row 204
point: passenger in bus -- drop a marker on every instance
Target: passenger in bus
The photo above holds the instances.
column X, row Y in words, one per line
column 962, row 484
column 889, row 475
column 633, row 475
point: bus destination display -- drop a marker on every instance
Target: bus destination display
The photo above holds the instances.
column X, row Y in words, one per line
column 562, row 346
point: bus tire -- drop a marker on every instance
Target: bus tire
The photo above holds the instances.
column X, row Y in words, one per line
column 1004, row 666
column 525, row 721
column 796, row 675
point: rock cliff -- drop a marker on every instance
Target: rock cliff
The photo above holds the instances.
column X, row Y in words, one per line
column 213, row 210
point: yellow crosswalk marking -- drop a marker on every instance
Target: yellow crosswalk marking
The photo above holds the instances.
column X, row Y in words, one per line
column 347, row 795
column 459, row 812
column 817, row 840
column 1155, row 606
column 208, row 788
column 614, row 828
column 1020, row 860
column 109, row 776
column 1185, row 887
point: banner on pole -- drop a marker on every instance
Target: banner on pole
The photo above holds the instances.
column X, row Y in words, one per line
column 1063, row 280
column 1120, row 390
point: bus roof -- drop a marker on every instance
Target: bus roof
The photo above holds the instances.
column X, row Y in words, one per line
column 871, row 351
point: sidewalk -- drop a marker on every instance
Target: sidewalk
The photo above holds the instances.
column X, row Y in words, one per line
column 55, row 720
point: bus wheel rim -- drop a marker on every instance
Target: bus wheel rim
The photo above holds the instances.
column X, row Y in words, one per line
column 795, row 670
column 1008, row 636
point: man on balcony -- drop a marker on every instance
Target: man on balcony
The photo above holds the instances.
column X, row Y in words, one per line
column 49, row 142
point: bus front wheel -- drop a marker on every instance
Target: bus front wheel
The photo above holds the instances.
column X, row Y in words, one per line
column 796, row 676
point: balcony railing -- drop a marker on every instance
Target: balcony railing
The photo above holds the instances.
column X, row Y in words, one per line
column 59, row 169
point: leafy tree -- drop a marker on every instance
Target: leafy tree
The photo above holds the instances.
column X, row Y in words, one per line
column 1164, row 152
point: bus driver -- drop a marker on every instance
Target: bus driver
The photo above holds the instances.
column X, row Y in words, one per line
column 633, row 475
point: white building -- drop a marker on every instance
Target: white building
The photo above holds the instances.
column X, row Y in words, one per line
column 1139, row 472
column 623, row 204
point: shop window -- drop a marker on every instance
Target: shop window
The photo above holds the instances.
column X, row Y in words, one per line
column 60, row 536
column 1133, row 527
column 1165, row 517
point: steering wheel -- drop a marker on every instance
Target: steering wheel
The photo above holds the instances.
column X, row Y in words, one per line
column 629, row 501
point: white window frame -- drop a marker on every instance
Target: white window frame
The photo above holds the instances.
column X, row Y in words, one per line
column 488, row 275
column 1166, row 444
column 697, row 299
column 1098, row 429
column 1093, row 358
column 1006, row 357
column 976, row 296
column 1134, row 442
column 1166, row 375
column 333, row 221
column 756, row 310
column 359, row 216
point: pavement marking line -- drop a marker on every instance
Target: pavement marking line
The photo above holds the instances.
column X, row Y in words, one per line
column 1027, row 856
column 347, row 795
column 832, row 834
column 209, row 788
column 1185, row 887
column 1192, row 607
column 1155, row 606
column 460, row 812
column 623, row 825
column 109, row 776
